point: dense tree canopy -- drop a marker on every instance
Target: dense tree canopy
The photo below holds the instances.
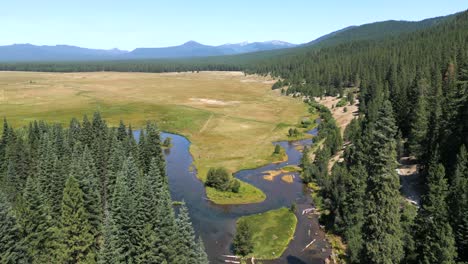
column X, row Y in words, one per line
column 89, row 194
column 413, row 88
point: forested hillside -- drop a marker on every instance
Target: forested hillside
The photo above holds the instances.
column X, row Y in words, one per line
column 89, row 194
column 413, row 101
column 413, row 96
column 251, row 62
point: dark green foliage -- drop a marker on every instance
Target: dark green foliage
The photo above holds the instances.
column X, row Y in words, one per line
column 186, row 244
column 76, row 241
column 115, row 206
column 167, row 142
column 293, row 207
column 458, row 200
column 435, row 243
column 10, row 251
column 382, row 228
column 328, row 130
column 84, row 170
column 342, row 102
column 277, row 149
column 408, row 215
column 151, row 148
column 350, row 97
column 419, row 124
column 220, row 179
column 201, row 256
column 35, row 224
column 293, row 132
column 242, row 243
column 106, row 252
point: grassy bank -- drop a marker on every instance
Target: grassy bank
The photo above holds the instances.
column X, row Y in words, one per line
column 231, row 119
column 271, row 231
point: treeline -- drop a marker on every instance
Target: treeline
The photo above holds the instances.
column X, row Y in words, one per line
column 156, row 66
column 397, row 59
column 414, row 101
column 365, row 206
column 330, row 141
column 89, row 194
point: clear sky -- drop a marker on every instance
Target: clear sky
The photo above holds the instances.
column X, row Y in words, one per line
column 127, row 24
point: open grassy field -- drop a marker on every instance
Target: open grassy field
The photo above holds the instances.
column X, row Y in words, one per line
column 271, row 231
column 231, row 119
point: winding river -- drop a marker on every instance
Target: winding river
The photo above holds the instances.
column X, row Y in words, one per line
column 216, row 223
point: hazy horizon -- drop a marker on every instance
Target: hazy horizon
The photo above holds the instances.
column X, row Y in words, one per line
column 126, row 26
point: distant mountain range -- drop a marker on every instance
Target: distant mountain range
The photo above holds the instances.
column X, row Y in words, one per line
column 191, row 49
column 29, row 52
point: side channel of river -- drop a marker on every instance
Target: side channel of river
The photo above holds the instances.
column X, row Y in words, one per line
column 216, row 223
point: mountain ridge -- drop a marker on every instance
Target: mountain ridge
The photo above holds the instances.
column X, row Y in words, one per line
column 191, row 48
column 194, row 49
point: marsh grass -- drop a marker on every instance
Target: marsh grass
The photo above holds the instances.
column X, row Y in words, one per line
column 231, row 119
column 272, row 231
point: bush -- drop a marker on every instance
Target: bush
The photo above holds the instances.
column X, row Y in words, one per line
column 218, row 178
column 293, row 207
column 293, row 132
column 306, row 123
column 167, row 142
column 342, row 102
column 277, row 149
column 235, row 186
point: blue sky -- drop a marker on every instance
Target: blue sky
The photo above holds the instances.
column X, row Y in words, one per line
column 127, row 24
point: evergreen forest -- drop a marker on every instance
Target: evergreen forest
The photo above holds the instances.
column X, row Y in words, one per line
column 89, row 193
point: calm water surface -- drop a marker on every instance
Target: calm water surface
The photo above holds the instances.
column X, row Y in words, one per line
column 216, row 223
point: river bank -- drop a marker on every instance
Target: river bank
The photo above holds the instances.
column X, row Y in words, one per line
column 216, row 223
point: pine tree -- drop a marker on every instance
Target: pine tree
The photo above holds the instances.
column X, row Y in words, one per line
column 77, row 239
column 122, row 211
column 143, row 223
column 114, row 165
column 107, row 250
column 86, row 136
column 353, row 211
column 185, row 237
column 459, row 204
column 382, row 229
column 436, row 243
column 408, row 215
column 10, row 251
column 242, row 243
column 54, row 222
column 152, row 149
column 165, row 228
column 85, row 173
column 74, row 132
column 419, row 123
column 48, row 175
column 201, row 256
column 121, row 131
column 35, row 224
column 131, row 173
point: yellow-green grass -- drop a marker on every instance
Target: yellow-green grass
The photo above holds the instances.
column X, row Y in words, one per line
column 279, row 157
column 231, row 119
column 271, row 232
column 247, row 194
column 292, row 168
